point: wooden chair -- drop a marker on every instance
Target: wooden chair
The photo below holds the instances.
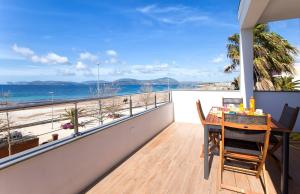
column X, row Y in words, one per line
column 213, row 133
column 288, row 119
column 244, row 146
column 234, row 101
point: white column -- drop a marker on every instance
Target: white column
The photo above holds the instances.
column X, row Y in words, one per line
column 246, row 64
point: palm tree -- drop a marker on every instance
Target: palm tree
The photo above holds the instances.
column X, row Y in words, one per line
column 273, row 55
column 236, row 83
column 70, row 115
column 286, row 83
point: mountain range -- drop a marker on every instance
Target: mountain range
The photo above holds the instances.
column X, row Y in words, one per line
column 123, row 81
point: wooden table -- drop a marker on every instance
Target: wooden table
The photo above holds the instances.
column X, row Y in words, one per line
column 213, row 121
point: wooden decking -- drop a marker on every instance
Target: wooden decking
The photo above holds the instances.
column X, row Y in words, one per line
column 171, row 163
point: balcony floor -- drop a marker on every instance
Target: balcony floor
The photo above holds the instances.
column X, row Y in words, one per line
column 171, row 163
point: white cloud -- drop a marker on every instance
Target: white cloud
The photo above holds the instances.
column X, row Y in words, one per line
column 171, row 70
column 121, row 72
column 66, row 72
column 111, row 61
column 219, row 59
column 173, row 14
column 88, row 73
column 22, row 50
column 146, row 9
column 88, row 56
column 150, row 69
column 50, row 58
column 83, row 69
column 111, row 53
column 80, row 66
column 9, row 54
column 179, row 14
column 167, row 9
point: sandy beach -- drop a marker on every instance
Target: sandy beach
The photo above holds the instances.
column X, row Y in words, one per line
column 88, row 115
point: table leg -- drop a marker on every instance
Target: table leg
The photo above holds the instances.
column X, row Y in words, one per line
column 206, row 165
column 285, row 164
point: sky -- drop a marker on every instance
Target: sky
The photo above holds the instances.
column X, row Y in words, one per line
column 65, row 40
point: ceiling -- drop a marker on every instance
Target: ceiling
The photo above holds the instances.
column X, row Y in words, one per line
column 252, row 12
column 280, row 10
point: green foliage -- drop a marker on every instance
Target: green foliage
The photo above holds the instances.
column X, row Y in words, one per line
column 273, row 55
column 286, row 83
column 70, row 114
column 236, row 83
column 295, row 136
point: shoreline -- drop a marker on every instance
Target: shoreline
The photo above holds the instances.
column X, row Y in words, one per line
column 89, row 119
column 24, row 94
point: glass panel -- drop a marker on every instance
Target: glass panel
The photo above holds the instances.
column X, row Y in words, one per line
column 22, row 129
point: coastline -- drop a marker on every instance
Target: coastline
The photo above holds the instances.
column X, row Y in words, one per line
column 89, row 118
column 29, row 94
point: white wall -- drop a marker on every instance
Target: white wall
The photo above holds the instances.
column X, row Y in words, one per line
column 72, row 167
column 273, row 102
column 185, row 109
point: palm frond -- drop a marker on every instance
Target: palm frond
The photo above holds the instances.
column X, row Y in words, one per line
column 273, row 55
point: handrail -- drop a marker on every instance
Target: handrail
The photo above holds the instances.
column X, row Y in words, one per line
column 46, row 121
column 76, row 115
column 72, row 101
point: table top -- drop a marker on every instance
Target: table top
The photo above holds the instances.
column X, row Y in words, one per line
column 213, row 119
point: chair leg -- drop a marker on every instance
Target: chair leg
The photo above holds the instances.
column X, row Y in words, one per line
column 264, row 173
column 220, row 167
column 202, row 151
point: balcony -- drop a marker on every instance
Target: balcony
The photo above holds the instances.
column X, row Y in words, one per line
column 170, row 163
column 154, row 151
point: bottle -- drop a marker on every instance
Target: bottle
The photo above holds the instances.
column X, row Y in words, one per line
column 252, row 105
column 241, row 107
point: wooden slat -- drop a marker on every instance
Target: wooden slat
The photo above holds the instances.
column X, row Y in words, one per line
column 170, row 163
column 255, row 184
column 242, row 156
column 241, row 181
column 229, row 180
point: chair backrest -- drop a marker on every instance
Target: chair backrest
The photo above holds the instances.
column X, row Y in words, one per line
column 289, row 116
column 245, row 127
column 235, row 101
column 249, row 132
column 248, row 129
column 200, row 112
column 247, row 122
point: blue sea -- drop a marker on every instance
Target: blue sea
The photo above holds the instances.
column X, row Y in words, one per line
column 38, row 93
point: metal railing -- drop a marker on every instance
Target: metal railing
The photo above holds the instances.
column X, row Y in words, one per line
column 81, row 114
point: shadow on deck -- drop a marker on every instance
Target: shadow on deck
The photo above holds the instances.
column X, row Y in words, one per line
column 171, row 163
